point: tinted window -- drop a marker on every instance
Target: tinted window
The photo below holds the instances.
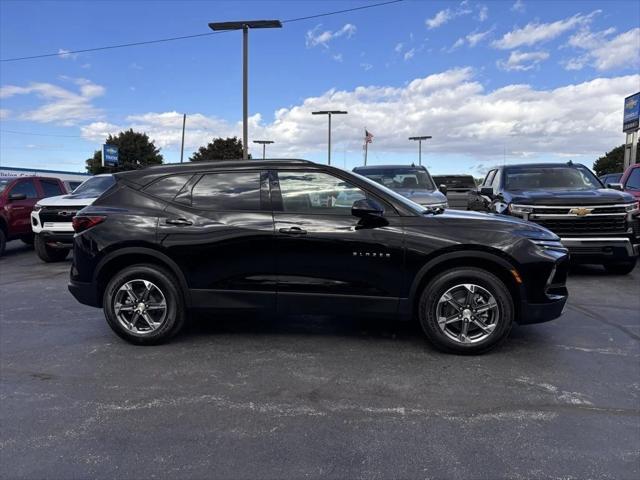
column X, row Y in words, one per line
column 51, row 188
column 27, row 187
column 317, row 192
column 227, row 191
column 95, row 186
column 396, row 178
column 455, row 181
column 168, row 187
column 633, row 182
column 550, row 178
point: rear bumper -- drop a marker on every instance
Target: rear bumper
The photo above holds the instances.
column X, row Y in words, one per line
column 600, row 249
column 84, row 293
column 542, row 312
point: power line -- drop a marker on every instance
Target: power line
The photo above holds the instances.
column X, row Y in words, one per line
column 184, row 37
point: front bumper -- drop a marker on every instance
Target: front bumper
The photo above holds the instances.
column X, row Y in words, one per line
column 542, row 312
column 598, row 249
column 57, row 239
column 85, row 293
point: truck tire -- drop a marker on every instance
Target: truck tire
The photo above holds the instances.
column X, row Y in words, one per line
column 144, row 304
column 620, row 268
column 3, row 241
column 27, row 239
column 49, row 254
column 466, row 310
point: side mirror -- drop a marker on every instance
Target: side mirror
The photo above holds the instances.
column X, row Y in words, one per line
column 443, row 189
column 366, row 207
column 17, row 196
column 615, row 186
column 486, row 191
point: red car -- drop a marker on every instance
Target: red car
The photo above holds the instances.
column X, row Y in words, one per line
column 18, row 195
column 631, row 180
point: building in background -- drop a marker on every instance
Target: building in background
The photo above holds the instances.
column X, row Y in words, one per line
column 70, row 179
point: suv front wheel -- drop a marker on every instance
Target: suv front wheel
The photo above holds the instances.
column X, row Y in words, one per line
column 466, row 310
column 144, row 305
column 47, row 253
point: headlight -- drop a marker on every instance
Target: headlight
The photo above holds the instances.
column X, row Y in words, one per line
column 37, row 207
column 436, row 205
column 632, row 207
column 520, row 210
column 550, row 245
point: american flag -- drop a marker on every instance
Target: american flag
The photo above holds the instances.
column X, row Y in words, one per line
column 368, row 136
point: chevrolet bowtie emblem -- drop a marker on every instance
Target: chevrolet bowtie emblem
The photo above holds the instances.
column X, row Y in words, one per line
column 581, row 212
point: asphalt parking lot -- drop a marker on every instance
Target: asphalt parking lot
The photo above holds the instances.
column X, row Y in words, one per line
column 314, row 397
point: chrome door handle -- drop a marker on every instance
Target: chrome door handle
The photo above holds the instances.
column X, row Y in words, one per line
column 293, row 231
column 178, row 221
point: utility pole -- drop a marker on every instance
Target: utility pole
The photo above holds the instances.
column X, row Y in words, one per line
column 420, row 139
column 184, row 121
column 245, row 25
column 264, row 144
column 329, row 113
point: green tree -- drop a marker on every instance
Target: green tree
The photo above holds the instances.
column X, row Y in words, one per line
column 611, row 162
column 219, row 149
column 135, row 151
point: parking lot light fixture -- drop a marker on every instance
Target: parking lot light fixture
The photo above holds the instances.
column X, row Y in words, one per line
column 328, row 113
column 420, row 139
column 264, row 144
column 245, row 25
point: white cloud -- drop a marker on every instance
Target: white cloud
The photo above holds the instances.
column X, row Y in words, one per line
column 522, row 61
column 60, row 105
column 519, row 6
column 366, row 66
column 604, row 52
column 315, row 37
column 398, row 47
column 462, row 117
column 533, row 33
column 409, row 54
column 337, row 57
column 66, row 54
column 443, row 16
column 483, row 13
column 476, row 37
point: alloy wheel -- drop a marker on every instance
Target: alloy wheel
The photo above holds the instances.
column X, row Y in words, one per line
column 140, row 306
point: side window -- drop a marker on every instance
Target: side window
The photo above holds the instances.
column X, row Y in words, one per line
column 168, row 187
column 489, row 178
column 633, row 182
column 317, row 192
column 27, row 187
column 495, row 183
column 227, row 191
column 50, row 188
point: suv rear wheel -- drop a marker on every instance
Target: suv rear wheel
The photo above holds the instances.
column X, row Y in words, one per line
column 620, row 268
column 466, row 310
column 144, row 305
column 49, row 254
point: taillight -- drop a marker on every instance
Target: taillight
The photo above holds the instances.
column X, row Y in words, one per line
column 80, row 224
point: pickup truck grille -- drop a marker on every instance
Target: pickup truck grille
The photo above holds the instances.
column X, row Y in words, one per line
column 581, row 220
column 57, row 214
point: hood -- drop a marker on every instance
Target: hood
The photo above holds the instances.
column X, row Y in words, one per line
column 602, row 196
column 423, row 197
column 69, row 200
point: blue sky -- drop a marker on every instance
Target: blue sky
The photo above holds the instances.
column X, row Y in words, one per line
column 492, row 81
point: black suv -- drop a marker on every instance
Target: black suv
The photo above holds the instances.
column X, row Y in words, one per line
column 292, row 236
column 599, row 225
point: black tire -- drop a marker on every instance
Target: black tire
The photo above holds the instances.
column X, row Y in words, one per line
column 3, row 241
column 27, row 239
column 169, row 287
column 433, row 292
column 49, row 254
column 620, row 268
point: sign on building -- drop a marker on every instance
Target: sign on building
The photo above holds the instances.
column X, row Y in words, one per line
column 109, row 155
column 631, row 113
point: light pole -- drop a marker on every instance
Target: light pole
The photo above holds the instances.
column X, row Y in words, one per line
column 419, row 139
column 245, row 25
column 329, row 113
column 264, row 144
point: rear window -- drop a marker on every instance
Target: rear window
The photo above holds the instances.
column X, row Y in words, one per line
column 95, row 186
column 454, row 181
column 227, row 191
column 50, row 188
column 168, row 187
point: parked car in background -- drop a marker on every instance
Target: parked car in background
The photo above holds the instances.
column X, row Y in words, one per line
column 410, row 181
column 459, row 189
column 598, row 225
column 630, row 181
column 269, row 236
column 18, row 195
column 610, row 178
column 51, row 217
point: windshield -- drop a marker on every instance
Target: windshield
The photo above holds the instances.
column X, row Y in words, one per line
column 4, row 182
column 550, row 178
column 397, row 178
column 412, row 206
column 455, row 181
column 95, row 186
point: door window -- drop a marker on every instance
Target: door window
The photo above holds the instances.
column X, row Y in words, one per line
column 489, row 178
column 50, row 188
column 633, row 182
column 27, row 187
column 168, row 187
column 317, row 192
column 227, row 191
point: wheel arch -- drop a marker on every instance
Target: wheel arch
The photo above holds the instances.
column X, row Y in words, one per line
column 492, row 262
column 117, row 260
